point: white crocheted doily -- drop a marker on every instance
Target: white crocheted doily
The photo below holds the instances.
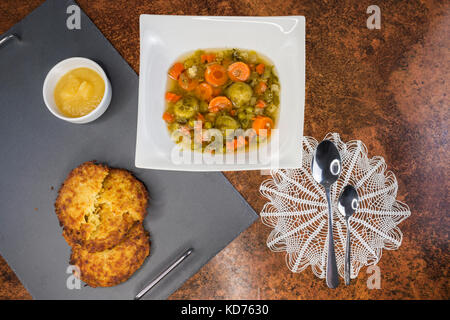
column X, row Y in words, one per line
column 297, row 211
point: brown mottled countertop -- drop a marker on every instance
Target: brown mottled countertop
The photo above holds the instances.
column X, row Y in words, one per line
column 385, row 87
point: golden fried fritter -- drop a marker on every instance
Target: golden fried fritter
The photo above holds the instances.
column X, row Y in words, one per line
column 97, row 206
column 113, row 266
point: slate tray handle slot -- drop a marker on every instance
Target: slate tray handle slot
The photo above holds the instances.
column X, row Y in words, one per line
column 7, row 38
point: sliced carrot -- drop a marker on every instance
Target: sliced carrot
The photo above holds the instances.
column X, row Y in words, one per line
column 176, row 70
column 168, row 117
column 219, row 103
column 207, row 58
column 260, row 88
column 204, row 91
column 261, row 122
column 172, row 97
column 216, row 75
column 260, row 104
column 233, row 112
column 239, row 71
column 260, row 68
column 187, row 83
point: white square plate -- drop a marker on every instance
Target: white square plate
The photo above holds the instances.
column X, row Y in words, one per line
column 166, row 38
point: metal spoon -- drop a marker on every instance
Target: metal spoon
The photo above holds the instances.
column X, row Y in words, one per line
column 347, row 204
column 326, row 167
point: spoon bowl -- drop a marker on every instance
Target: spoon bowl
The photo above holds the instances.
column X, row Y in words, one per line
column 326, row 164
column 348, row 201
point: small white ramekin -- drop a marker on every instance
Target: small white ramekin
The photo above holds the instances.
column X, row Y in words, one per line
column 60, row 69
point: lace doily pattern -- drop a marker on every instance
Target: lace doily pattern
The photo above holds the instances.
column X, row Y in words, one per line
column 297, row 211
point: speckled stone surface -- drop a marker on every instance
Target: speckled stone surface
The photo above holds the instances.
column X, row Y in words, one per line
column 388, row 88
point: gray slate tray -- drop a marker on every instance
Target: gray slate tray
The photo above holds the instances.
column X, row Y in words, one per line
column 199, row 210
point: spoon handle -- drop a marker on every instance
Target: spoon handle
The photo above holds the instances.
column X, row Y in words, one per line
column 331, row 272
column 347, row 256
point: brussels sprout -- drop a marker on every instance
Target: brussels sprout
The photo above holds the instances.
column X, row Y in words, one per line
column 186, row 108
column 226, row 122
column 239, row 93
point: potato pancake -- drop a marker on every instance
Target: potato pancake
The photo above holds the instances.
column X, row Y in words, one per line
column 97, row 206
column 113, row 266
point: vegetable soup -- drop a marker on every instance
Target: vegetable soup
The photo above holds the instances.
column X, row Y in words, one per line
column 231, row 90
